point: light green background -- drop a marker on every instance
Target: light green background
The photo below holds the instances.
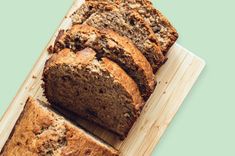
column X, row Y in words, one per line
column 205, row 124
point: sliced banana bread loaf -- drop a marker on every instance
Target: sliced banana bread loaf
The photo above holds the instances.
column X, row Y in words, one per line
column 125, row 22
column 41, row 131
column 109, row 44
column 165, row 32
column 97, row 90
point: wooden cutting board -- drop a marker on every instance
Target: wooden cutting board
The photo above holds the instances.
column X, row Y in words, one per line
column 175, row 79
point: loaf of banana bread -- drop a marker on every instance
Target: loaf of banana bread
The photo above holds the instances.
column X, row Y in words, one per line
column 40, row 131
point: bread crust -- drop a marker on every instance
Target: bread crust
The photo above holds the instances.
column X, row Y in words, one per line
column 126, row 81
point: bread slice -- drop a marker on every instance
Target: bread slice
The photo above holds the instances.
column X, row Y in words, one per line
column 109, row 44
column 125, row 22
column 97, row 90
column 163, row 29
column 165, row 32
column 41, row 131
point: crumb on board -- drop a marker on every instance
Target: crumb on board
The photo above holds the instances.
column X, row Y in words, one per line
column 34, row 77
column 164, row 92
column 166, row 82
column 50, row 49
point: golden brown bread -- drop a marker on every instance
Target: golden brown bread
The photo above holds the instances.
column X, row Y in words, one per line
column 97, row 90
column 39, row 131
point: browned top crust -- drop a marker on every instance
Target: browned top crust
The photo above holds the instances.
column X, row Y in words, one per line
column 66, row 56
column 135, row 53
column 138, row 57
column 125, row 80
column 40, row 131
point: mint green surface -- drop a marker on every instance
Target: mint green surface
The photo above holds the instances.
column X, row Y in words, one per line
column 204, row 125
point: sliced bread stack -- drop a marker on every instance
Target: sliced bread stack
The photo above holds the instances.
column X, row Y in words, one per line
column 103, row 66
column 98, row 90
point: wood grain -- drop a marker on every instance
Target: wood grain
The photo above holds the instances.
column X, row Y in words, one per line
column 175, row 79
